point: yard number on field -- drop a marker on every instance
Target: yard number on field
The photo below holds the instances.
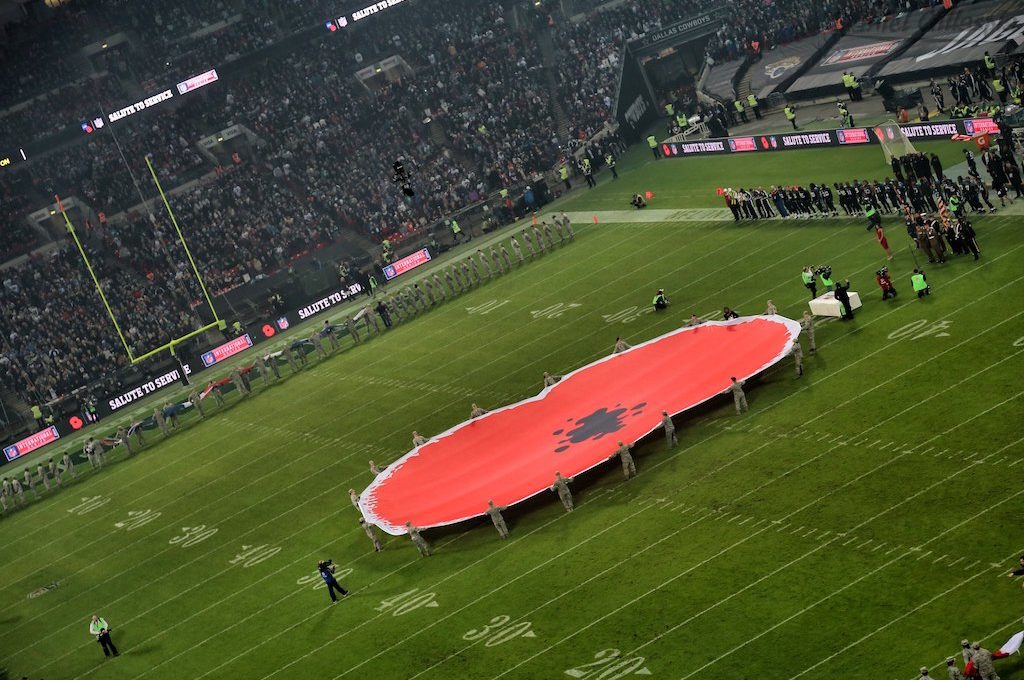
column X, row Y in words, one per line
column 193, row 535
column 920, row 329
column 487, row 307
column 628, row 314
column 136, row 519
column 89, row 504
column 318, row 582
column 408, row 601
column 253, row 555
column 498, row 631
column 608, row 664
column 554, row 311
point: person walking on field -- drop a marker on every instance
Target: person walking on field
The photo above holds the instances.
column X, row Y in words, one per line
column 738, row 395
column 326, row 569
column 371, row 532
column 807, row 325
column 798, row 358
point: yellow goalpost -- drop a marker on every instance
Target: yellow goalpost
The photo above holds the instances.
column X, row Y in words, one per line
column 217, row 323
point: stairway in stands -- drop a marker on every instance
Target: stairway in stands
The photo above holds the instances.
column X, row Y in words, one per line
column 547, row 51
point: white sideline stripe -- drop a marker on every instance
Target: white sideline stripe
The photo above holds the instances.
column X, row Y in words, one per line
column 722, row 467
column 813, row 502
column 899, row 618
column 653, row 216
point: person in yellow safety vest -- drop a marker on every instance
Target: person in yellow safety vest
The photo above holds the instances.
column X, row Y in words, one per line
column 482, row 129
column 670, row 110
column 754, row 105
column 652, row 142
column 609, row 160
column 990, row 63
column 457, row 231
column 790, row 115
column 1000, row 89
column 741, row 114
column 1015, row 95
column 681, row 121
column 920, row 284
column 563, row 174
column 37, row 415
column 850, row 83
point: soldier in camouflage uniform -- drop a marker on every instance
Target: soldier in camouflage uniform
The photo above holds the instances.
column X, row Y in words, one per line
column 561, row 487
column 516, row 249
column 628, row 466
column 670, row 429
column 494, row 512
column 352, row 330
column 371, row 532
column 420, row 542
column 807, row 324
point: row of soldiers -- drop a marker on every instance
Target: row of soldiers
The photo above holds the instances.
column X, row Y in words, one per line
column 12, row 489
column 977, row 663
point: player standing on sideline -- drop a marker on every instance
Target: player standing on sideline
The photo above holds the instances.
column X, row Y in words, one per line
column 739, row 397
column 371, row 533
column 418, row 439
column 99, row 629
column 807, row 325
column 670, row 430
column 798, row 358
column 354, row 497
column 561, row 487
column 420, row 542
column 326, row 569
column 620, row 346
column 516, row 249
column 494, row 512
column 628, row 466
column 475, row 411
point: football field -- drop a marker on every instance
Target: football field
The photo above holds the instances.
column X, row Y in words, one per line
column 856, row 523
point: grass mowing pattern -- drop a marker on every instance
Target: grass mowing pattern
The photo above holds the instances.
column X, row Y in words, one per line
column 763, row 542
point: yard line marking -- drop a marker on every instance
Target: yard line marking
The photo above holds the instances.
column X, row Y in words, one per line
column 806, row 554
column 849, row 585
column 863, row 358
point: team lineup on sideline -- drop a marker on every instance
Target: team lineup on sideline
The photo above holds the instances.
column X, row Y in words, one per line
column 519, row 340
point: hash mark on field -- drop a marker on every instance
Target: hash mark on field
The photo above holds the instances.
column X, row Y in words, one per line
column 939, row 559
column 959, row 559
column 749, row 519
column 1016, row 462
column 797, row 530
column 734, row 518
column 997, row 462
column 812, row 531
column 782, row 527
column 878, row 546
column 824, row 534
column 971, row 564
column 870, row 540
column 924, row 555
column 926, row 450
column 893, row 549
column 875, row 443
column 851, row 539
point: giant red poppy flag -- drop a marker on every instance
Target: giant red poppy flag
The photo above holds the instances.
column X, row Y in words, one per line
column 512, row 453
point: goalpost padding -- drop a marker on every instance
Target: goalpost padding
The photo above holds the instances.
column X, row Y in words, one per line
column 894, row 142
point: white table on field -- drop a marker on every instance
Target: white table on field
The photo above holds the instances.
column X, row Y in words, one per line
column 828, row 305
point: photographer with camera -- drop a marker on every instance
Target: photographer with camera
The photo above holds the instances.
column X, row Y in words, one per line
column 326, row 569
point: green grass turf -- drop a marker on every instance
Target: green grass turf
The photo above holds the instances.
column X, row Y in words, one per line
column 857, row 523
